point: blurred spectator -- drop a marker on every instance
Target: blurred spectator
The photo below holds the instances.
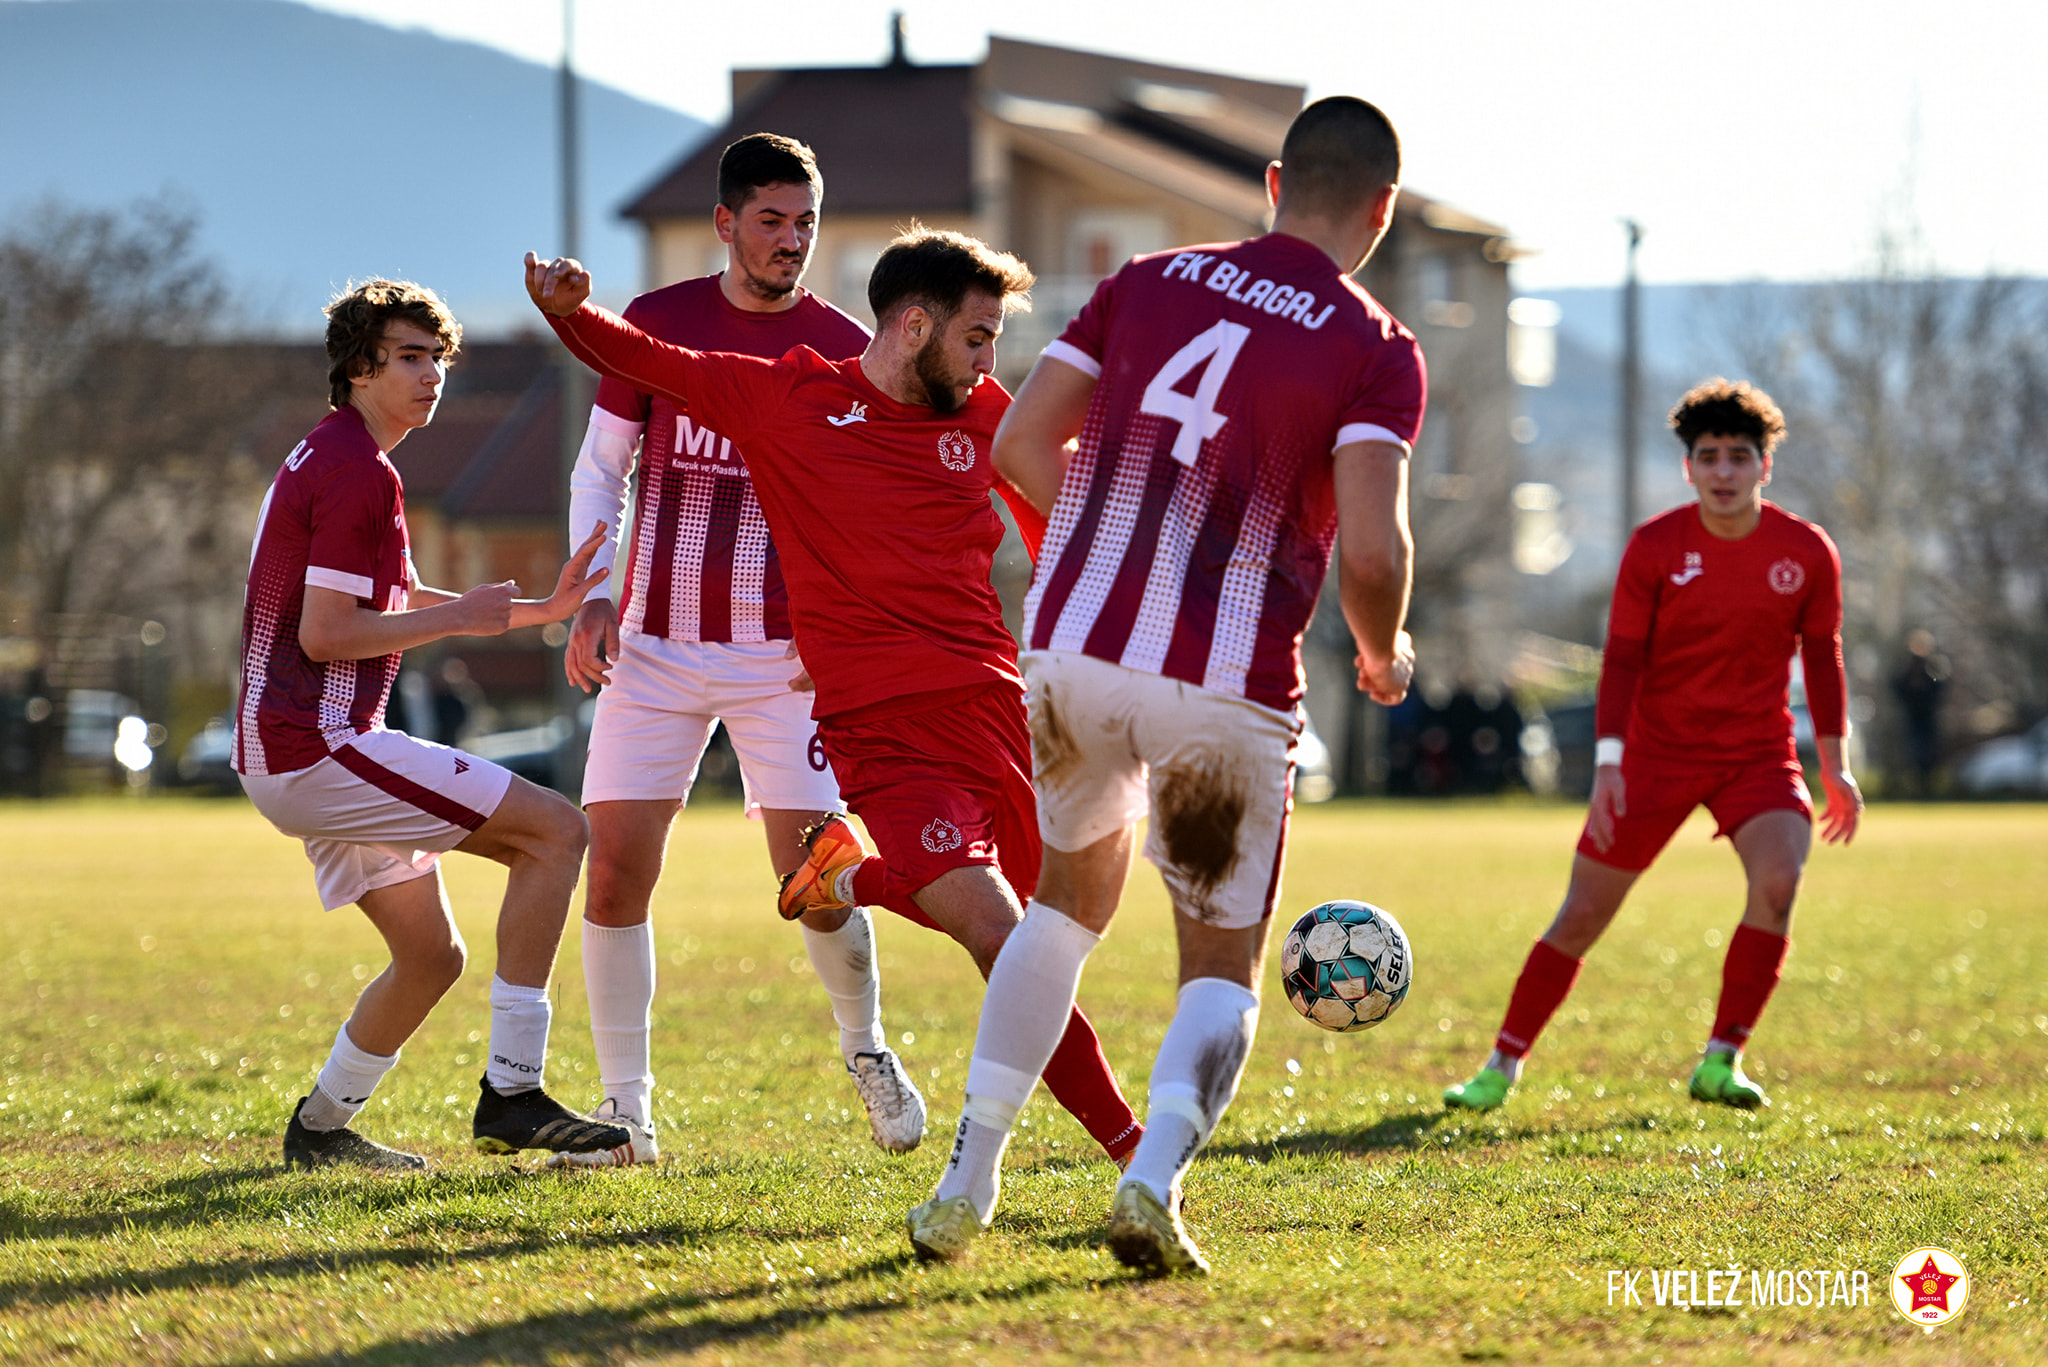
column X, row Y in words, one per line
column 1918, row 686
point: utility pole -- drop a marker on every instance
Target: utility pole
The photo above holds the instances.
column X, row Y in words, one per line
column 1631, row 383
column 574, row 386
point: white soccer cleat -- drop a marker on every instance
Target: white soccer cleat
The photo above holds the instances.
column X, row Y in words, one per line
column 896, row 1110
column 640, row 1147
column 1149, row 1238
column 940, row 1231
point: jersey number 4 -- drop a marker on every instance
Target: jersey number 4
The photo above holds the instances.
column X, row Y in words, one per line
column 1196, row 414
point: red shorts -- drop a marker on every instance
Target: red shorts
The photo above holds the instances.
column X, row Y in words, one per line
column 941, row 780
column 1661, row 796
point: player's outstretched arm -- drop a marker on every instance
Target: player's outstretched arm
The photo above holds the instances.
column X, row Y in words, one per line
column 1036, row 437
column 557, row 287
column 1376, row 563
column 1845, row 799
column 334, row 626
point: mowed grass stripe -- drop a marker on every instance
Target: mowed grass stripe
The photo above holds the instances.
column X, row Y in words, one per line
column 168, row 986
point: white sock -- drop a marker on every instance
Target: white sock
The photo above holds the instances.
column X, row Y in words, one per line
column 976, row 1168
column 519, row 1037
column 1716, row 1046
column 1023, row 1015
column 346, row 1081
column 1508, row 1066
column 1193, row 1080
column 618, row 977
column 845, row 961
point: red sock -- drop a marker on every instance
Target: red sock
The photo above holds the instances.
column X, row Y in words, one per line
column 1748, row 977
column 1079, row 1079
column 1547, row 978
column 871, row 889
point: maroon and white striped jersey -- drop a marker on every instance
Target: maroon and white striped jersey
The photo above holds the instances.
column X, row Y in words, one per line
column 699, row 563
column 1194, row 527
column 335, row 519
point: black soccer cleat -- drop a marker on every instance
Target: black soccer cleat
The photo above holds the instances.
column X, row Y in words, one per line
column 304, row 1148
column 535, row 1120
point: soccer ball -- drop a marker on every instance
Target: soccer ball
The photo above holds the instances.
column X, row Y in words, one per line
column 1346, row 965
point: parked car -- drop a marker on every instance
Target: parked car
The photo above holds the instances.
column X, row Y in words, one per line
column 2009, row 764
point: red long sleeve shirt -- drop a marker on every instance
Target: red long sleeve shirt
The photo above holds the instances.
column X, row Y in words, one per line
column 1702, row 633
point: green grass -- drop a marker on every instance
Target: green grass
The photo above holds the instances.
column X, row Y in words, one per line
column 168, row 986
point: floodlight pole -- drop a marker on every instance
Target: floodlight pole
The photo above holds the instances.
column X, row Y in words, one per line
column 1631, row 383
column 575, row 393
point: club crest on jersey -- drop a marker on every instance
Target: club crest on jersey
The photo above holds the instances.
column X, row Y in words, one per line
column 1694, row 568
column 956, row 452
column 941, row 835
column 1787, row 575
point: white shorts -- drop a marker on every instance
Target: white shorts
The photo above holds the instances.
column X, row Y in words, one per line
column 655, row 717
column 1214, row 773
column 381, row 810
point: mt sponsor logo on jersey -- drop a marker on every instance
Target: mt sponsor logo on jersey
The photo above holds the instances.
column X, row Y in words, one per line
column 703, row 444
column 956, row 450
column 1787, row 575
column 857, row 413
column 1693, row 569
column 1234, row 282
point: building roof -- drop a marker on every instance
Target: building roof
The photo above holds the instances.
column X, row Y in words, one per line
column 891, row 139
column 897, row 138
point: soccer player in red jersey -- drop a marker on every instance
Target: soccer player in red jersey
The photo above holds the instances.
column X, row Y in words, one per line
column 874, row 474
column 701, row 634
column 1239, row 409
column 332, row 602
column 1713, row 600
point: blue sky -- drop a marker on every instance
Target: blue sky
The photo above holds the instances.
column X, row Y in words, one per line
column 1753, row 140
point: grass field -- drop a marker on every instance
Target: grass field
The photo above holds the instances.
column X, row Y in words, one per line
column 168, row 986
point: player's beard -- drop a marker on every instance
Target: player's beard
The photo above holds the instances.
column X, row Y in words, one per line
column 941, row 385
column 767, row 287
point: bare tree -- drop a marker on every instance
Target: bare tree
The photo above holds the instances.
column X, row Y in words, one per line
column 122, row 422
column 1916, row 403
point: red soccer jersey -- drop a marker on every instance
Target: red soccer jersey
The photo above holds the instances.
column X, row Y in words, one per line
column 1701, row 636
column 334, row 518
column 880, row 509
column 700, row 565
column 1194, row 527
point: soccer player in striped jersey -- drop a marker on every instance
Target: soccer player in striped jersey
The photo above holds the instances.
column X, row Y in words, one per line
column 1238, row 409
column 1713, row 600
column 701, row 634
column 332, row 603
column 875, row 476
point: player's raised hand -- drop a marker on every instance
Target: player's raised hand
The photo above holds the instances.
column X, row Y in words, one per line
column 1610, row 800
column 575, row 581
column 1386, row 681
column 487, row 608
column 593, row 644
column 559, row 286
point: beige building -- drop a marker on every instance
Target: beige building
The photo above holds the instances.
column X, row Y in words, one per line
column 1077, row 161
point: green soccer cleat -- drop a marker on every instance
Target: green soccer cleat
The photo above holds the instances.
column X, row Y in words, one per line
column 1149, row 1238
column 940, row 1231
column 1486, row 1091
column 1720, row 1079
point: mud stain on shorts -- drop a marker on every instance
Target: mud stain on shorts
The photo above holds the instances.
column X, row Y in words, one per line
column 1054, row 752
column 1200, row 811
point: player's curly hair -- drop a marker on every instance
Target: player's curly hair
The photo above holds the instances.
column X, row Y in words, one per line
column 1728, row 408
column 355, row 328
column 937, row 270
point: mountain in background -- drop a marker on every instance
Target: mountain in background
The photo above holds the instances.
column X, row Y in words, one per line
column 315, row 147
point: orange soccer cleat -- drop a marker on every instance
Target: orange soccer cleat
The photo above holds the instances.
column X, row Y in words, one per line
column 824, row 882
